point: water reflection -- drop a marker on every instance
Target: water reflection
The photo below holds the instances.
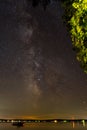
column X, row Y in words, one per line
column 81, row 123
column 64, row 125
column 84, row 123
column 73, row 124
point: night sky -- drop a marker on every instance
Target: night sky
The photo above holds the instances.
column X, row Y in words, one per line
column 39, row 74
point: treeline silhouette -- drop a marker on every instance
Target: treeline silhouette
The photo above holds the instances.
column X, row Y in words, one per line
column 44, row 3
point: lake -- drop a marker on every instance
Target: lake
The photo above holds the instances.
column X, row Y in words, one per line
column 45, row 126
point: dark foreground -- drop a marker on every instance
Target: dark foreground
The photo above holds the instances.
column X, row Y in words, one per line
column 46, row 126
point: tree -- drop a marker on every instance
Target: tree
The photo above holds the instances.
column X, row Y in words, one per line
column 75, row 17
column 44, row 3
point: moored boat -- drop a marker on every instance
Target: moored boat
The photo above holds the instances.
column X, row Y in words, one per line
column 18, row 124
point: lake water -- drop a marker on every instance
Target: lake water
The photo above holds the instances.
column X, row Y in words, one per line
column 45, row 126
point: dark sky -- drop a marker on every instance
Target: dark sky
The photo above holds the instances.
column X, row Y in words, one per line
column 39, row 74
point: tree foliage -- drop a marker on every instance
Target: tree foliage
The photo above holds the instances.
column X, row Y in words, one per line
column 44, row 3
column 75, row 17
column 76, row 20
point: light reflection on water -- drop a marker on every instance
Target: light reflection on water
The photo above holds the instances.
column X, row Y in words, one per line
column 46, row 126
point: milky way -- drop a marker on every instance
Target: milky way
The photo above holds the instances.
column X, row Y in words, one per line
column 39, row 74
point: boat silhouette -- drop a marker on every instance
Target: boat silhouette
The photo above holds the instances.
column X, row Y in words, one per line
column 18, row 124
